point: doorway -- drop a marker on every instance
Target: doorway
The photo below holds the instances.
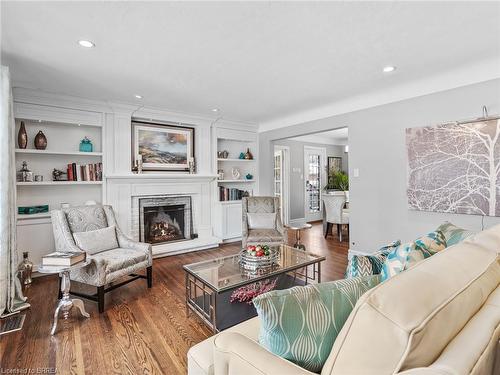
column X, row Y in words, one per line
column 282, row 180
column 314, row 181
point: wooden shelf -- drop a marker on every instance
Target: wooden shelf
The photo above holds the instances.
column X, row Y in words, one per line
column 236, row 181
column 236, row 160
column 49, row 152
column 52, row 183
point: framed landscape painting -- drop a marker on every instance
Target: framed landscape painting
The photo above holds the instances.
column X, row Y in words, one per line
column 162, row 147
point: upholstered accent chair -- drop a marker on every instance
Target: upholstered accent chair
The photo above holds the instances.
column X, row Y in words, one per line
column 107, row 266
column 335, row 213
column 273, row 235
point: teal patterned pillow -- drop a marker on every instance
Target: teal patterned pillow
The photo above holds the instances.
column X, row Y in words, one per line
column 366, row 265
column 301, row 324
column 453, row 234
column 409, row 254
column 396, row 260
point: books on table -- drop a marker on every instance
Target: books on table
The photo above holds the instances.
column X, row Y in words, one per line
column 63, row 259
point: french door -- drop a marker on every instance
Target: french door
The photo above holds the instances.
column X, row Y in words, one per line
column 281, row 183
column 315, row 180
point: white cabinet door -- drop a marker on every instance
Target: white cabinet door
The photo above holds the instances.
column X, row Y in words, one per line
column 232, row 220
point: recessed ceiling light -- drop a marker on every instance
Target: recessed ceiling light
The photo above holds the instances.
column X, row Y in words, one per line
column 215, row 109
column 86, row 43
column 389, row 69
column 138, row 96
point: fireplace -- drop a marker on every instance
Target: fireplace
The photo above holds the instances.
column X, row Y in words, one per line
column 165, row 219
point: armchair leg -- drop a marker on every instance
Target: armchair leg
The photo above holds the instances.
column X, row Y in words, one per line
column 100, row 299
column 339, row 231
column 149, row 275
column 328, row 229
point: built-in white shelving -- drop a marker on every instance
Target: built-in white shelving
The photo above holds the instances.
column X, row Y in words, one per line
column 234, row 181
column 52, row 152
column 41, row 215
column 53, row 183
column 235, row 160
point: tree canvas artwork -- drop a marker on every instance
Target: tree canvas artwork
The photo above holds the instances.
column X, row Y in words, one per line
column 455, row 168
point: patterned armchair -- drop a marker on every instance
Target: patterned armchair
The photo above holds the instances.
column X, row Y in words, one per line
column 106, row 266
column 270, row 236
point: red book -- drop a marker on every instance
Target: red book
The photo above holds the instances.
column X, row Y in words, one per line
column 70, row 172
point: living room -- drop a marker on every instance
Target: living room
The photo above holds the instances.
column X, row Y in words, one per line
column 250, row 187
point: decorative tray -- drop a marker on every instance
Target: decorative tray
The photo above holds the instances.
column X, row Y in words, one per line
column 254, row 263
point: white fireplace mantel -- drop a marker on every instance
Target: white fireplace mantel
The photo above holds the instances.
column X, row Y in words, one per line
column 123, row 191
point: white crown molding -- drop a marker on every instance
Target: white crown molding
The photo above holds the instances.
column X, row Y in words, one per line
column 321, row 139
column 36, row 96
column 467, row 75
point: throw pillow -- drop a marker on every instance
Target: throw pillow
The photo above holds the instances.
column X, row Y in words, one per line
column 425, row 247
column 396, row 260
column 95, row 241
column 301, row 324
column 454, row 234
column 365, row 265
column 261, row 220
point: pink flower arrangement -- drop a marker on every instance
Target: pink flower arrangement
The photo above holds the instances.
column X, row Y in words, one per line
column 249, row 292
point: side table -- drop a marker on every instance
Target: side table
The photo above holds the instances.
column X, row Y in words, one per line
column 65, row 303
column 297, row 229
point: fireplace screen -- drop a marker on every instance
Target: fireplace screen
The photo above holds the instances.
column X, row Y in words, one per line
column 165, row 219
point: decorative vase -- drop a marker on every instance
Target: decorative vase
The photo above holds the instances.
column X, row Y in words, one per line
column 86, row 145
column 40, row 141
column 26, row 269
column 242, row 155
column 248, row 176
column 248, row 155
column 22, row 136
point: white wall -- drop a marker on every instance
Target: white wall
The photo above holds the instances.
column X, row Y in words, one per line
column 378, row 205
column 297, row 178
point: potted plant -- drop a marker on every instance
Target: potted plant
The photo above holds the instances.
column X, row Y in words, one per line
column 338, row 181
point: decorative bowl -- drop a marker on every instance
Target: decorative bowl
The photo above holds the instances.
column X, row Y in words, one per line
column 254, row 263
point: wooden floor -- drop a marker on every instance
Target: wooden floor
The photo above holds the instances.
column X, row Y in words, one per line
column 141, row 331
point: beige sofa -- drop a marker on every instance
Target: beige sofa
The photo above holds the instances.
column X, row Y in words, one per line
column 440, row 317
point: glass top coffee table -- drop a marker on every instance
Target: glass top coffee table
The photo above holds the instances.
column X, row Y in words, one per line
column 210, row 284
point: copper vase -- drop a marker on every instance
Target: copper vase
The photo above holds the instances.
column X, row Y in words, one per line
column 22, row 136
column 248, row 155
column 40, row 141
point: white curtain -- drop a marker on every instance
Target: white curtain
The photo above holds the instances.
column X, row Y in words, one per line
column 11, row 295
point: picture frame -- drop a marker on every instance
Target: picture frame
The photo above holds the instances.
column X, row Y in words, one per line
column 334, row 164
column 163, row 147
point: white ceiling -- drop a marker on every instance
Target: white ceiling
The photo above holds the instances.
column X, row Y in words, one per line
column 256, row 61
column 337, row 137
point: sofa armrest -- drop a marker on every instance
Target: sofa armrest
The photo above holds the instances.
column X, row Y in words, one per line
column 63, row 238
column 128, row 243
column 235, row 354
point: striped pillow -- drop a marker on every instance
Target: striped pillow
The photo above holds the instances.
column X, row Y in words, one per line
column 301, row 324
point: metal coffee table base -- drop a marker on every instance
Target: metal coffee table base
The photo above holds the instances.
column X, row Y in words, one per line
column 65, row 303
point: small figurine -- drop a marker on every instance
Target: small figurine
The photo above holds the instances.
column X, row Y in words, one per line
column 235, row 172
column 25, row 175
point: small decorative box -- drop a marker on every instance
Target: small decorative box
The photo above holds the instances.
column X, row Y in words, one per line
column 28, row 210
column 86, row 145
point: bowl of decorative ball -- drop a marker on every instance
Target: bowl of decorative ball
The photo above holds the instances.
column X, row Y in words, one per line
column 259, row 257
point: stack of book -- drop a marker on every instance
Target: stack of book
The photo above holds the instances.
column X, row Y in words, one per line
column 230, row 194
column 63, row 259
column 88, row 172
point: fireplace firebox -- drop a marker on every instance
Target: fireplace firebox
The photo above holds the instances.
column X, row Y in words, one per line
column 165, row 219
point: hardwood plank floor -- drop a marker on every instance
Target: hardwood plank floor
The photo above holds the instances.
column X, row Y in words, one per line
column 142, row 331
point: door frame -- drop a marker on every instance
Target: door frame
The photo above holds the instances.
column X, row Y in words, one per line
column 322, row 152
column 285, row 181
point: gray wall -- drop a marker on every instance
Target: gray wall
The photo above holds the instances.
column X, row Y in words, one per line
column 296, row 179
column 378, row 206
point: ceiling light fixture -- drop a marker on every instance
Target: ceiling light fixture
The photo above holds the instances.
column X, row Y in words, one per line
column 138, row 96
column 86, row 43
column 389, row 69
column 215, row 110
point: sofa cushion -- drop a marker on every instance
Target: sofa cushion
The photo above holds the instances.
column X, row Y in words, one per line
column 366, row 265
column 200, row 356
column 396, row 261
column 300, row 324
column 407, row 321
column 264, row 235
column 259, row 220
column 85, row 218
column 454, row 234
column 98, row 240
column 425, row 247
